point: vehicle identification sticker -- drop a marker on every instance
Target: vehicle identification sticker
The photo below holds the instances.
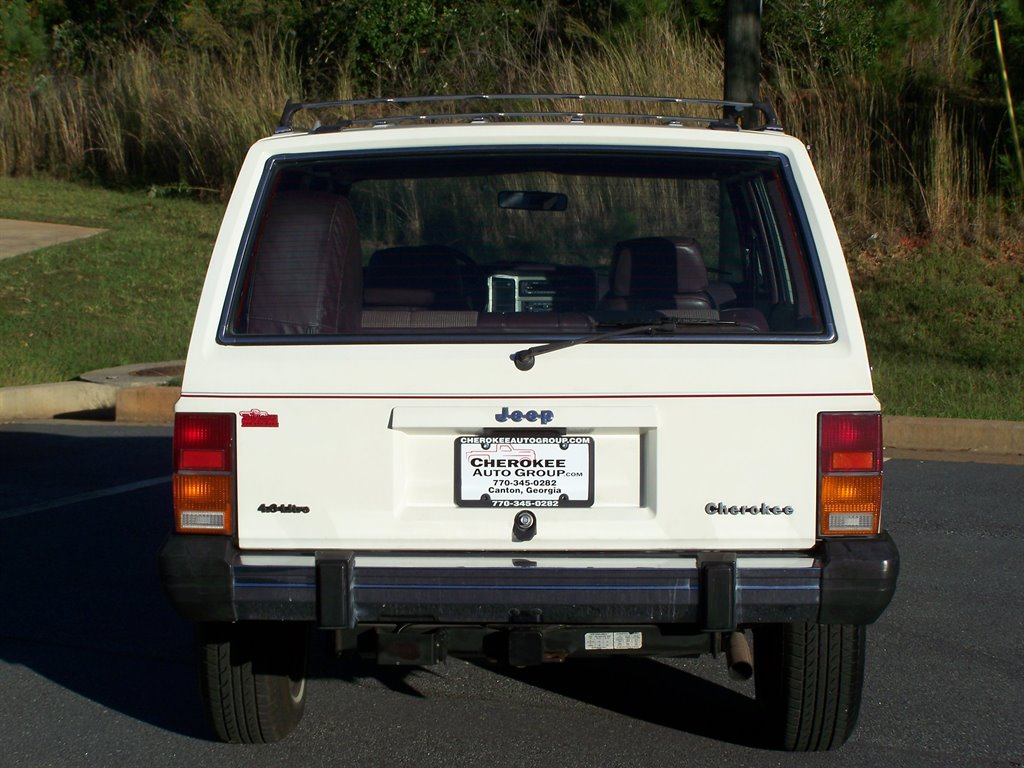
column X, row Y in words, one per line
column 520, row 471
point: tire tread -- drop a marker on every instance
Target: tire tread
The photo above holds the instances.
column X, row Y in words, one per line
column 809, row 679
column 245, row 688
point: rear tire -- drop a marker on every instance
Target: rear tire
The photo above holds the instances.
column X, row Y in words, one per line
column 808, row 679
column 252, row 679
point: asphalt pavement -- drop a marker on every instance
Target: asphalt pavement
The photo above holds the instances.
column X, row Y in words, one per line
column 98, row 670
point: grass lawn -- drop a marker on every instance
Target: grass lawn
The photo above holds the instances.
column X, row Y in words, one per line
column 126, row 295
column 945, row 325
column 945, row 329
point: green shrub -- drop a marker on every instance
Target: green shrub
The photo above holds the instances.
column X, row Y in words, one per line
column 23, row 44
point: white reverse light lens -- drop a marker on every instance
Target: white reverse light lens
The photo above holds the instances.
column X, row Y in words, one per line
column 858, row 522
column 203, row 520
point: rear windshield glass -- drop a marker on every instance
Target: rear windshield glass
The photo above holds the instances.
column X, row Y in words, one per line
column 379, row 248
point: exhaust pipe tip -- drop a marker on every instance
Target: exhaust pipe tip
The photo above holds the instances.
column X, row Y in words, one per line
column 738, row 657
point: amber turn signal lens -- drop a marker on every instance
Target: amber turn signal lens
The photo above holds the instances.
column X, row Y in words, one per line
column 202, row 503
column 851, row 504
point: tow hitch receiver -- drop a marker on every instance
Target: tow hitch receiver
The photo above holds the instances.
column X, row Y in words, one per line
column 525, row 648
column 718, row 591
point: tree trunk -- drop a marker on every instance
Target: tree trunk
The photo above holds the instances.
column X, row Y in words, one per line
column 743, row 53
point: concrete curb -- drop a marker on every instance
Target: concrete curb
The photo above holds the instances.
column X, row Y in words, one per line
column 136, row 404
column 137, row 394
column 147, row 405
column 66, row 399
column 1000, row 438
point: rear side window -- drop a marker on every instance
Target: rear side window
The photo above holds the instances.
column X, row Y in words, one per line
column 475, row 247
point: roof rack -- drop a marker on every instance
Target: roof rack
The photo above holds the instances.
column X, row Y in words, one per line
column 729, row 119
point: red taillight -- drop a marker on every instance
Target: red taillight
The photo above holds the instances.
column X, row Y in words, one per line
column 851, row 442
column 203, row 441
column 850, row 473
column 203, row 481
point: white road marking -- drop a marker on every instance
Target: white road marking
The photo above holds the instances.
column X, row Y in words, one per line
column 78, row 498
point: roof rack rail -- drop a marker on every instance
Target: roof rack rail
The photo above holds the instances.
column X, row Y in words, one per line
column 731, row 110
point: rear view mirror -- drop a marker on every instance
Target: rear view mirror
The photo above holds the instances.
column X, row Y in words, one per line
column 533, row 201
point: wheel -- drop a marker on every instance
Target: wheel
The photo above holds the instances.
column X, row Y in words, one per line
column 808, row 680
column 252, row 679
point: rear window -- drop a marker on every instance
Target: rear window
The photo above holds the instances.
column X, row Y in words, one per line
column 476, row 247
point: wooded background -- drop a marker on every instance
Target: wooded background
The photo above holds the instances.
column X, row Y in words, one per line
column 901, row 99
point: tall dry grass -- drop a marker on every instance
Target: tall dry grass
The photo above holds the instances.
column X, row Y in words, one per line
column 146, row 116
column 656, row 60
column 186, row 116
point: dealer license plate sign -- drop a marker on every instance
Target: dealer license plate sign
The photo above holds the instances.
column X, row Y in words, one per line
column 519, row 471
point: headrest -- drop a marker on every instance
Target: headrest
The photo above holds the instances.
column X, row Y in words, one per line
column 432, row 267
column 307, row 276
column 658, row 266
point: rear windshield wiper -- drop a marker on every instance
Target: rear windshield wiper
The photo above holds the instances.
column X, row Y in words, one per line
column 525, row 358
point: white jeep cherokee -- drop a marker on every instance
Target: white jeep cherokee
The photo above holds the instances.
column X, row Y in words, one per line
column 532, row 385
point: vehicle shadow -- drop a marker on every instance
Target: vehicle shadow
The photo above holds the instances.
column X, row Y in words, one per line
column 79, row 590
column 654, row 692
column 645, row 689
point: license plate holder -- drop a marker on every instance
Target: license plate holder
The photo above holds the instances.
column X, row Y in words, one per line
column 524, row 471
